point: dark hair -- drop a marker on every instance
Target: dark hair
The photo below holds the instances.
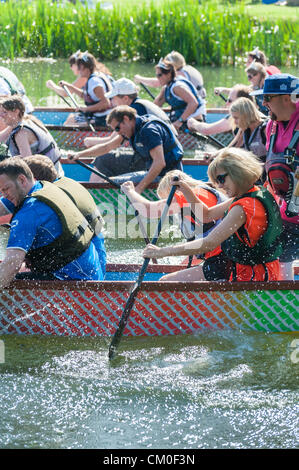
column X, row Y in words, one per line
column 15, row 166
column 243, row 91
column 120, row 112
column 87, row 60
column 258, row 56
column 168, row 67
column 12, row 103
column 42, row 167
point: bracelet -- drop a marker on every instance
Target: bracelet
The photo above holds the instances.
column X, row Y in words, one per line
column 181, row 120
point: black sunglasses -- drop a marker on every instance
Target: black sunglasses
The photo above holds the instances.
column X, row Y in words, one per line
column 268, row 98
column 221, row 178
column 117, row 128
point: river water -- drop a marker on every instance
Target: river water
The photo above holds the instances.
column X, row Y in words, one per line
column 225, row 390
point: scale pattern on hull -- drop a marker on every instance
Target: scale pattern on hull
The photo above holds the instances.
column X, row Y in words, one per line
column 158, row 311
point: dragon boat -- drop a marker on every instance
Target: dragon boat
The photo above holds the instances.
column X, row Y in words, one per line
column 72, row 137
column 80, row 308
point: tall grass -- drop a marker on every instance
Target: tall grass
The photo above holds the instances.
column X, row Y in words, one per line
column 209, row 33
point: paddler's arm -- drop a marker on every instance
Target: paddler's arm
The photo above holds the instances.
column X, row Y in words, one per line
column 99, row 149
column 153, row 82
column 204, row 213
column 157, row 155
column 102, row 105
column 191, row 101
column 146, row 208
column 232, row 222
column 10, row 266
column 160, row 99
column 72, row 88
column 22, row 141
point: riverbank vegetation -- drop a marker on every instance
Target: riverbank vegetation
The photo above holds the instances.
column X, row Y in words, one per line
column 206, row 32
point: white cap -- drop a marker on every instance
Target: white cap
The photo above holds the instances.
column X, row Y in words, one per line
column 123, row 86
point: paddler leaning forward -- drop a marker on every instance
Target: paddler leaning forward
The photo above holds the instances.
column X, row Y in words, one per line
column 251, row 226
column 48, row 231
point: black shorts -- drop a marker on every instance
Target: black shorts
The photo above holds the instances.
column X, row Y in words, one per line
column 119, row 162
column 216, row 268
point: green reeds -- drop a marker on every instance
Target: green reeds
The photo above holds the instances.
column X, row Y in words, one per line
column 206, row 33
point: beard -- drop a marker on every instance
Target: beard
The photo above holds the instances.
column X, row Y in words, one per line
column 273, row 116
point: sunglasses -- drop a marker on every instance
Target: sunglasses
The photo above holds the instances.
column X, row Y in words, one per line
column 268, row 98
column 159, row 75
column 117, row 128
column 251, row 76
column 221, row 178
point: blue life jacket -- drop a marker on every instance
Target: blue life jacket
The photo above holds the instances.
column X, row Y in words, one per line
column 173, row 150
column 178, row 105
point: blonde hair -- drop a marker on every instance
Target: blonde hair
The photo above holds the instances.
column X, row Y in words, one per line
column 243, row 167
column 165, row 185
column 177, row 59
column 249, row 113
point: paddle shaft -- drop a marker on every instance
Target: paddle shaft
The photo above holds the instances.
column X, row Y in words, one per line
column 147, row 90
column 77, row 106
column 199, row 136
column 130, row 302
column 117, row 185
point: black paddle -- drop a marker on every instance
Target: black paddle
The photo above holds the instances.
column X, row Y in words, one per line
column 77, row 106
column 117, row 185
column 199, row 136
column 147, row 90
column 130, row 302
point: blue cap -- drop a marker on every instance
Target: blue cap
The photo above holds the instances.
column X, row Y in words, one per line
column 279, row 84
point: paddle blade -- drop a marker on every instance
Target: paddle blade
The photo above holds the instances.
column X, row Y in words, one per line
column 123, row 321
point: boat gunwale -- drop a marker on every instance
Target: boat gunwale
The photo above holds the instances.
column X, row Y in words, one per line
column 150, row 286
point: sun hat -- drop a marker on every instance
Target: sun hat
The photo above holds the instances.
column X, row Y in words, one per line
column 123, row 86
column 279, row 84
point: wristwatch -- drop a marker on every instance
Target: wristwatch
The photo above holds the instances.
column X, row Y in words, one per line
column 181, row 120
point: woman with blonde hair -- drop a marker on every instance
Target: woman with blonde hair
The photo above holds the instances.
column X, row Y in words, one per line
column 251, row 226
column 214, row 264
column 252, row 125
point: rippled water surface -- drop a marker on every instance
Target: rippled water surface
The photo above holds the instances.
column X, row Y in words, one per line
column 214, row 390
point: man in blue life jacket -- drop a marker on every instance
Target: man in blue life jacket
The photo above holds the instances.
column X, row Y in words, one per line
column 43, row 169
column 124, row 92
column 152, row 139
column 47, row 231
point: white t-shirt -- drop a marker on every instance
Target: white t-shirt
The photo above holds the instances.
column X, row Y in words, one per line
column 93, row 83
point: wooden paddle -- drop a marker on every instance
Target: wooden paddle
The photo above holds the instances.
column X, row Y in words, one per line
column 130, row 302
column 77, row 106
column 117, row 185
